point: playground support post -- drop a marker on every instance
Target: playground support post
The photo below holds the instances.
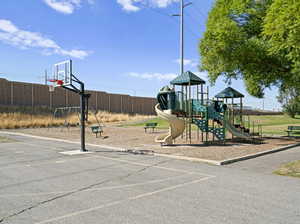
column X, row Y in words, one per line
column 241, row 111
column 202, row 102
column 197, row 95
column 206, row 115
column 190, row 114
column 232, row 103
column 183, row 105
column 186, row 120
column 213, row 126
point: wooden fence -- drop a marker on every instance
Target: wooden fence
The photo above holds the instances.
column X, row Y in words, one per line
column 36, row 95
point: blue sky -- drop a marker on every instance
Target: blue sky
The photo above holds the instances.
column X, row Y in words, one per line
column 118, row 46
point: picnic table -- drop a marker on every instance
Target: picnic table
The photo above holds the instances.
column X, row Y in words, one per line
column 293, row 129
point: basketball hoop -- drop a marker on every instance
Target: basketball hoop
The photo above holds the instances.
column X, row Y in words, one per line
column 59, row 82
column 55, row 83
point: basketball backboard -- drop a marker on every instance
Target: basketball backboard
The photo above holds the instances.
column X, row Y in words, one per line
column 62, row 74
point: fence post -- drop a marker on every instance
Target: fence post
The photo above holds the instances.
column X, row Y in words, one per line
column 11, row 93
column 67, row 98
column 96, row 101
column 121, row 104
column 109, row 102
column 51, row 96
column 32, row 96
column 132, row 105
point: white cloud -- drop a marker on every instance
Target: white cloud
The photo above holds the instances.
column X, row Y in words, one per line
column 66, row 6
column 151, row 76
column 69, row 6
column 128, row 5
column 187, row 62
column 135, row 5
column 11, row 34
column 163, row 3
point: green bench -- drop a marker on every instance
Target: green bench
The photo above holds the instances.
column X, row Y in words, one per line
column 293, row 129
column 96, row 129
column 150, row 125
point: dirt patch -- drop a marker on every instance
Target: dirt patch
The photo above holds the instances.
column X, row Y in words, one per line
column 135, row 138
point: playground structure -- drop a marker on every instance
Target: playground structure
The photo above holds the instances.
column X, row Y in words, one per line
column 213, row 117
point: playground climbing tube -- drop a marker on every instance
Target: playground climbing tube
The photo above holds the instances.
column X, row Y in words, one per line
column 175, row 130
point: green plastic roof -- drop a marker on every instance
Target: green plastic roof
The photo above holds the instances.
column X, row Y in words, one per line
column 166, row 89
column 186, row 79
column 229, row 93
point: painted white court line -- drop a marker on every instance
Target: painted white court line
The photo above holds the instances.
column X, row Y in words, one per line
column 96, row 189
column 36, row 164
column 45, row 147
column 60, row 161
column 60, row 140
column 113, row 148
column 19, row 152
column 144, row 195
column 75, row 152
column 155, row 166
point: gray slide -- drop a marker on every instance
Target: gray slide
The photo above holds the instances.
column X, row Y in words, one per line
column 236, row 132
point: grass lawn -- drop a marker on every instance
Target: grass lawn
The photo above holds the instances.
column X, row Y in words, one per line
column 160, row 123
column 275, row 125
column 290, row 169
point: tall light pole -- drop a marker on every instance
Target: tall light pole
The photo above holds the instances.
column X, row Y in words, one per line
column 182, row 6
column 181, row 37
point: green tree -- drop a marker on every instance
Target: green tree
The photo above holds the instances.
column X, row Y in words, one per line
column 239, row 42
column 290, row 100
column 282, row 30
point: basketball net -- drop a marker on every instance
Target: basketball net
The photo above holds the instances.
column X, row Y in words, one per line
column 53, row 81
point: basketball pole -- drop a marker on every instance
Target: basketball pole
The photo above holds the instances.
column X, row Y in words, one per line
column 79, row 89
column 83, row 100
column 82, row 117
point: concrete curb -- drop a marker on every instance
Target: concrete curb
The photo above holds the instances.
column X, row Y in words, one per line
column 192, row 159
column 251, row 156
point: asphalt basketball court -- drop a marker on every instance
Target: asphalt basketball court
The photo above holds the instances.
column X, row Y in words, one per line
column 39, row 184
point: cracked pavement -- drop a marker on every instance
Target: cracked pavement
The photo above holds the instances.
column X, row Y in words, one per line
column 40, row 185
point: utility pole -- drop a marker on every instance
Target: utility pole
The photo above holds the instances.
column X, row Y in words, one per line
column 182, row 6
column 181, row 37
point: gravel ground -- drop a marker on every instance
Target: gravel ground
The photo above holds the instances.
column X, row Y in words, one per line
column 135, row 138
